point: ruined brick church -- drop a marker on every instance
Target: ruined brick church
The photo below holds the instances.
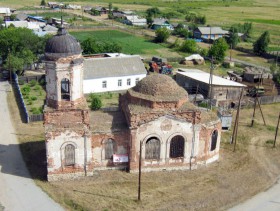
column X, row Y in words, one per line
column 155, row 116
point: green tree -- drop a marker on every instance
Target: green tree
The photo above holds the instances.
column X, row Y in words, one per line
column 22, row 45
column 232, row 38
column 149, row 20
column 96, row 102
column 261, row 45
column 43, row 3
column 162, row 35
column 153, row 12
column 218, row 50
column 189, row 46
column 14, row 63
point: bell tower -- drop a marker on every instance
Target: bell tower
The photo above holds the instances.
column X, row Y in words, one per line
column 64, row 71
column 66, row 114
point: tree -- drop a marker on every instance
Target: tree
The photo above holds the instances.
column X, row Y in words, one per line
column 22, row 46
column 162, row 35
column 43, row 3
column 189, row 46
column 218, row 50
column 96, row 102
column 153, row 12
column 232, row 38
column 149, row 20
column 261, row 45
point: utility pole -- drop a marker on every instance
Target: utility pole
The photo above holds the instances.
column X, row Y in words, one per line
column 139, row 176
column 256, row 100
column 277, row 127
column 234, row 135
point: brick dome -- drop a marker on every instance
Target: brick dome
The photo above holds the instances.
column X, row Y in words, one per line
column 160, row 87
column 62, row 45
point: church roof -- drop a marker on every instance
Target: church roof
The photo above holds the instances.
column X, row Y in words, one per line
column 63, row 44
column 113, row 67
column 158, row 87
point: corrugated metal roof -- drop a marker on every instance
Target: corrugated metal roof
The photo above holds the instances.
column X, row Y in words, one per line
column 113, row 67
column 201, row 76
column 212, row 30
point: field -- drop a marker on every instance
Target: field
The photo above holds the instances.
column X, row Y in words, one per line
column 263, row 14
column 237, row 176
column 130, row 44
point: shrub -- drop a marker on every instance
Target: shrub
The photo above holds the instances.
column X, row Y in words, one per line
column 37, row 87
column 35, row 110
column 33, row 98
column 25, row 89
column 189, row 46
column 96, row 102
column 162, row 35
column 33, row 83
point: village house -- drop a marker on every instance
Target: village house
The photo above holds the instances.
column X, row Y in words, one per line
column 112, row 72
column 222, row 90
column 5, row 11
column 209, row 33
column 161, row 23
column 155, row 120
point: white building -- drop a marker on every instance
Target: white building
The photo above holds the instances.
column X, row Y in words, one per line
column 108, row 74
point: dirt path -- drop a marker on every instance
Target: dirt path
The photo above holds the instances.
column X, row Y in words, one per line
column 17, row 189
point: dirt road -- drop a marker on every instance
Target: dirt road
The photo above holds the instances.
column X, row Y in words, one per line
column 268, row 200
column 17, row 189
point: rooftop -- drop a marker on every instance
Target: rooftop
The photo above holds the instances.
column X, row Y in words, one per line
column 203, row 77
column 113, row 67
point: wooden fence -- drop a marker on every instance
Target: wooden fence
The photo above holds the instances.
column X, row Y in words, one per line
column 27, row 79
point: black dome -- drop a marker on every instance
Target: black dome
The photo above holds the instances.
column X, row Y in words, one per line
column 62, row 44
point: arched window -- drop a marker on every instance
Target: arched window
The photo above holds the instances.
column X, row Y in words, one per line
column 177, row 146
column 152, row 148
column 214, row 139
column 110, row 148
column 65, row 89
column 69, row 153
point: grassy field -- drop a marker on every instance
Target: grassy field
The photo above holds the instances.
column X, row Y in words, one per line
column 237, row 176
column 130, row 44
column 263, row 14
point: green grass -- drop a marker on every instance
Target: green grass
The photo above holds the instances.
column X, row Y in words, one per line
column 34, row 100
column 275, row 22
column 130, row 44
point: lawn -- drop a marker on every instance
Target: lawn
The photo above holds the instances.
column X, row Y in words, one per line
column 130, row 44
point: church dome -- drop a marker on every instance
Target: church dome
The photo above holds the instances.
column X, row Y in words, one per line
column 160, row 88
column 62, row 45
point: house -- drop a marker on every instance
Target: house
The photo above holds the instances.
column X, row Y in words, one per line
column 135, row 20
column 73, row 7
column 21, row 17
column 102, row 10
column 35, row 26
column 31, row 18
column 209, row 33
column 87, row 8
column 155, row 128
column 222, row 89
column 114, row 73
column 4, row 11
column 161, row 23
